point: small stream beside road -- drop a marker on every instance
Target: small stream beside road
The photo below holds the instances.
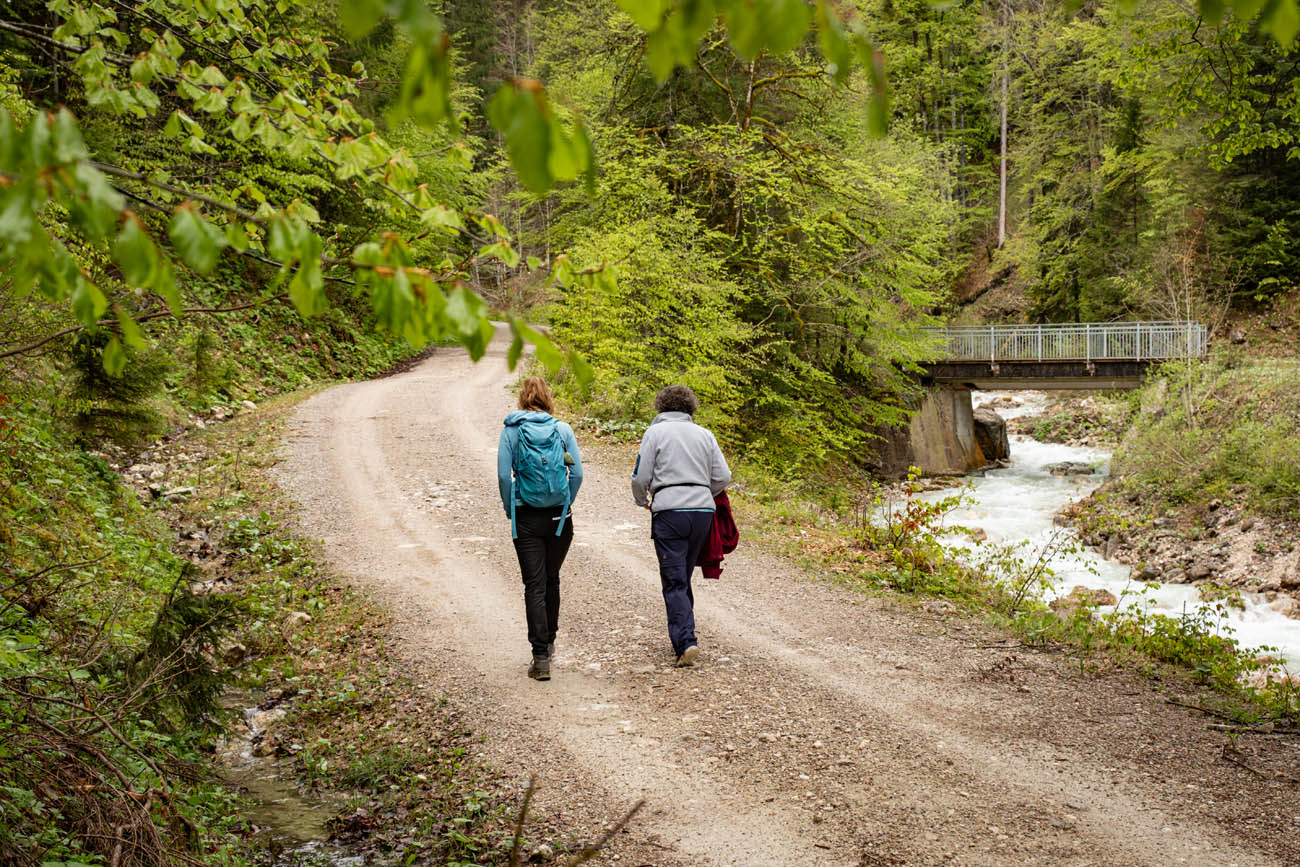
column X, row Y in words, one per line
column 1017, row 505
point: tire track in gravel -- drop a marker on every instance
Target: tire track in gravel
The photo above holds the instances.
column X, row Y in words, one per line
column 822, row 727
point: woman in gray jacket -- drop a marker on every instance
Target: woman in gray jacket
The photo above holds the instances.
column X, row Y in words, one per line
column 679, row 470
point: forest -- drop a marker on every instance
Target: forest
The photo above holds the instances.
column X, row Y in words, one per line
column 211, row 202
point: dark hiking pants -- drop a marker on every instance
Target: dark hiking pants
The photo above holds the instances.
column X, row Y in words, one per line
column 541, row 553
column 679, row 535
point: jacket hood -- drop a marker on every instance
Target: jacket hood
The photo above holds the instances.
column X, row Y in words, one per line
column 520, row 416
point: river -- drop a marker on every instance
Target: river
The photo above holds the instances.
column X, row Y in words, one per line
column 1017, row 504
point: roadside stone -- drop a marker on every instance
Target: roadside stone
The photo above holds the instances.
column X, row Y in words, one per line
column 248, row 404
column 1082, row 597
column 1199, row 570
column 234, row 654
column 294, row 622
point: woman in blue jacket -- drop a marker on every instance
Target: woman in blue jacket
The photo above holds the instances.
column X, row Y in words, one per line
column 539, row 471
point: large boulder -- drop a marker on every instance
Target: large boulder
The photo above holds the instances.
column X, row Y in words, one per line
column 991, row 434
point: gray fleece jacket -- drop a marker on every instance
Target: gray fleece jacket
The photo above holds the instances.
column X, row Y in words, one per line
column 679, row 465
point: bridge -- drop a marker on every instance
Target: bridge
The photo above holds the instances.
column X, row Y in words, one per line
column 946, row 435
column 1105, row 355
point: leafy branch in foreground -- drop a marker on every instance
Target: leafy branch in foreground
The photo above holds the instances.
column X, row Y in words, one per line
column 243, row 83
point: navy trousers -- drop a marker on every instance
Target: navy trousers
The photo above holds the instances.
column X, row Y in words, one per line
column 541, row 553
column 679, row 535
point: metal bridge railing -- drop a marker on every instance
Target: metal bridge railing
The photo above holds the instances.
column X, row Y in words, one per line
column 1102, row 341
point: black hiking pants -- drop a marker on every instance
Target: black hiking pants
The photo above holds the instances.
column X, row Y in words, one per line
column 541, row 554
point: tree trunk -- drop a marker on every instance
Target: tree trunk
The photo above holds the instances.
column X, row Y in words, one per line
column 1002, row 173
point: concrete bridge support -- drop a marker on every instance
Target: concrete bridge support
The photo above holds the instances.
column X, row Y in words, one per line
column 942, row 438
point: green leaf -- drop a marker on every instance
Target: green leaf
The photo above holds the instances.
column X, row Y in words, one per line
column 547, row 353
column 96, row 208
column 442, row 217
column 114, row 358
column 581, row 368
column 1281, row 18
column 163, row 281
column 307, row 288
column 135, row 253
column 564, row 162
column 464, row 311
column 68, row 144
column 198, row 242
column 88, row 302
column 775, row 25
column 878, row 103
column 237, row 237
column 519, row 117
column 834, row 42
column 512, row 354
column 284, row 238
column 9, row 139
column 1212, row 10
column 132, row 336
column 646, row 13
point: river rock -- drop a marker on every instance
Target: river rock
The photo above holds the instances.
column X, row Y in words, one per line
column 991, row 434
column 1070, row 468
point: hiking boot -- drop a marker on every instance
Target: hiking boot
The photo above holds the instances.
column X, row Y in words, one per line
column 688, row 657
column 550, row 650
column 540, row 669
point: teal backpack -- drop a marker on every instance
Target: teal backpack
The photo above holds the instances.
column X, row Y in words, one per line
column 541, row 474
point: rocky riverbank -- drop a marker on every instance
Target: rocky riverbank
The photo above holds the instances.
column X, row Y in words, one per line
column 1213, row 547
column 1070, row 418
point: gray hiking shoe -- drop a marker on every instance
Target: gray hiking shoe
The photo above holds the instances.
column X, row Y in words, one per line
column 688, row 657
column 540, row 669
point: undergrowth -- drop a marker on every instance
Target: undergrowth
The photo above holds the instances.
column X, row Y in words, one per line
column 1221, row 428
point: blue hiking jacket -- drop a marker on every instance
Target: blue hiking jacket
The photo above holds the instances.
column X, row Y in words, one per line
column 506, row 454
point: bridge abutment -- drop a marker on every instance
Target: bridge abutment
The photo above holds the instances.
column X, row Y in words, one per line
column 941, row 437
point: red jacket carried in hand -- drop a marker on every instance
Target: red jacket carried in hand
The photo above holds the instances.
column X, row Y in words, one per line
column 723, row 537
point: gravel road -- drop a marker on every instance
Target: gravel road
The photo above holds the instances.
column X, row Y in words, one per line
column 821, row 727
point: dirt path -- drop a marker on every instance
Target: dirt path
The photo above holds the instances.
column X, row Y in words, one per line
column 821, row 728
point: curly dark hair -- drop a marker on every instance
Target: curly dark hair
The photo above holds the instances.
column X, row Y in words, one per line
column 676, row 398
